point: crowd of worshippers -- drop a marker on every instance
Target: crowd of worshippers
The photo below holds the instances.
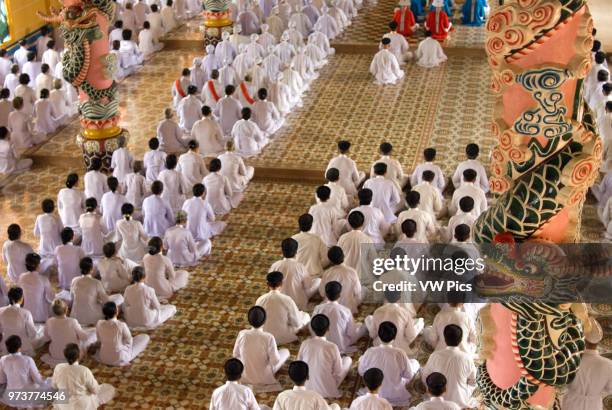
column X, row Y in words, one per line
column 436, row 23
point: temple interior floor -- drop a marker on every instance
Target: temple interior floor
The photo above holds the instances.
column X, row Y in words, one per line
column 446, row 107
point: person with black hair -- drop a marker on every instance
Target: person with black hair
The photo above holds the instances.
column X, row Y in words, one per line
column 431, row 199
column 352, row 291
column 457, row 367
column 131, row 57
column 470, row 188
column 154, row 160
column 20, row 56
column 328, row 220
column 180, row 86
column 200, row 215
column 385, row 66
column 213, row 89
column 160, row 271
column 436, row 387
column 157, row 213
column 312, row 251
column 116, row 32
column 398, row 46
column 79, row 383
column 11, row 81
column 88, row 295
column 93, row 229
column 395, row 171
column 385, row 193
column 16, row 320
column 344, row 332
column 472, row 151
column 32, row 69
column 114, row 271
column 327, row 368
column 350, row 176
column 189, row 111
column 266, row 115
column 141, row 307
column 6, row 106
column 14, row 251
column 595, row 93
column 298, row 283
column 20, row 125
column 464, row 216
column 373, row 379
column 452, row 313
column 67, row 256
column 248, row 138
column 95, row 181
column 394, row 363
column 122, row 162
column 284, row 317
column 232, row 393
column 131, row 233
column 168, row 16
column 233, row 167
column 220, row 195
column 402, row 315
column 192, row 166
column 338, row 195
column 45, row 120
column 182, row 249
column 117, row 346
column 256, row 348
column 375, row 225
column 429, row 156
column 359, row 249
column 425, row 223
column 148, row 43
column 111, row 203
column 48, row 227
column 71, row 203
column 301, row 398
column 37, row 291
column 173, row 183
column 207, row 132
column 600, row 63
column 228, row 110
column 135, row 186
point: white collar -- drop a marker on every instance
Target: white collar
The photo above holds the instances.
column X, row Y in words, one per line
column 299, row 388
column 436, row 398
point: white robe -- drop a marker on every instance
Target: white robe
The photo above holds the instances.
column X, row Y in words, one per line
column 147, row 43
column 95, row 185
column 115, row 273
column 343, row 331
column 327, row 369
column 135, row 189
column 302, row 399
column 13, row 255
column 385, row 68
column 302, row 23
column 162, row 277
column 425, row 222
column 48, row 227
column 68, row 257
column 37, row 295
column 141, row 307
column 179, row 91
column 350, row 176
column 182, row 249
column 21, row 128
column 370, row 401
column 6, row 107
column 267, row 117
column 110, row 207
column 233, row 395
column 408, row 327
column 592, row 383
column 219, row 193
column 174, row 188
column 209, row 135
column 189, row 111
column 201, row 219
column 429, row 54
column 431, row 200
column 434, row 335
column 10, row 161
column 238, row 174
column 192, row 167
column 82, row 389
column 117, row 346
column 93, row 233
column 19, row 373
column 481, row 174
column 352, row 291
column 88, row 297
column 473, row 191
column 327, row 25
column 28, row 95
column 158, row 215
column 297, row 283
column 386, row 196
column 327, row 221
column 375, row 225
column 61, row 330
column 249, row 140
column 121, row 163
column 460, row 372
column 359, row 253
column 321, row 41
column 228, row 110
column 154, row 162
column 312, row 252
column 15, row 320
column 133, row 239
column 284, row 319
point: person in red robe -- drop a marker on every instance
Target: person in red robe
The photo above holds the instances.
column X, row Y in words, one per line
column 404, row 17
column 437, row 21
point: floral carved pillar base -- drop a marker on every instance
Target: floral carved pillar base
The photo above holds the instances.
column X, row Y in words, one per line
column 215, row 23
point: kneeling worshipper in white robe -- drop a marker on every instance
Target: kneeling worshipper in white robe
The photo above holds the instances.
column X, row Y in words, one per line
column 352, row 291
column 300, row 397
column 88, row 295
column 192, row 166
column 67, row 257
column 174, row 185
column 401, row 315
column 452, row 314
column 61, row 106
column 311, row 10
column 385, row 67
column 131, row 234
column 593, row 382
column 339, row 15
column 16, row 320
column 359, row 249
column 271, row 64
column 256, row 348
column 425, row 222
column 182, row 248
column 93, row 229
column 111, row 203
column 168, row 17
column 320, row 40
column 79, row 383
column 18, row 373
column 160, row 273
column 210, row 62
column 228, row 110
column 10, row 162
column 350, row 176
column 429, row 155
column 294, row 81
column 208, row 134
column 37, row 292
column 327, row 368
column 114, row 271
column 169, row 133
column 338, row 194
column 265, row 38
column 431, row 200
column 61, row 331
column 298, row 284
column 48, row 227
column 436, row 387
column 276, row 23
column 233, row 167
column 285, row 50
column 344, row 332
column 117, row 346
column 328, row 218
column 395, row 364
column 46, row 122
column 220, row 195
column 201, row 217
column 232, row 394
column 266, row 115
column 14, row 252
column 21, row 128
column 179, row 87
column 399, row 45
column 284, row 317
column 316, row 54
column 469, row 189
column 386, row 195
column 373, row 379
column 312, row 251
column 225, row 50
column 457, row 366
column 254, row 49
column 122, row 162
column 136, row 188
column 280, row 95
column 301, row 21
column 189, row 109
column 327, row 24
column 131, row 57
column 429, row 53
column 305, row 66
column 295, row 37
column 228, row 75
column 141, row 308
column 246, row 92
column 249, row 140
column 147, row 42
